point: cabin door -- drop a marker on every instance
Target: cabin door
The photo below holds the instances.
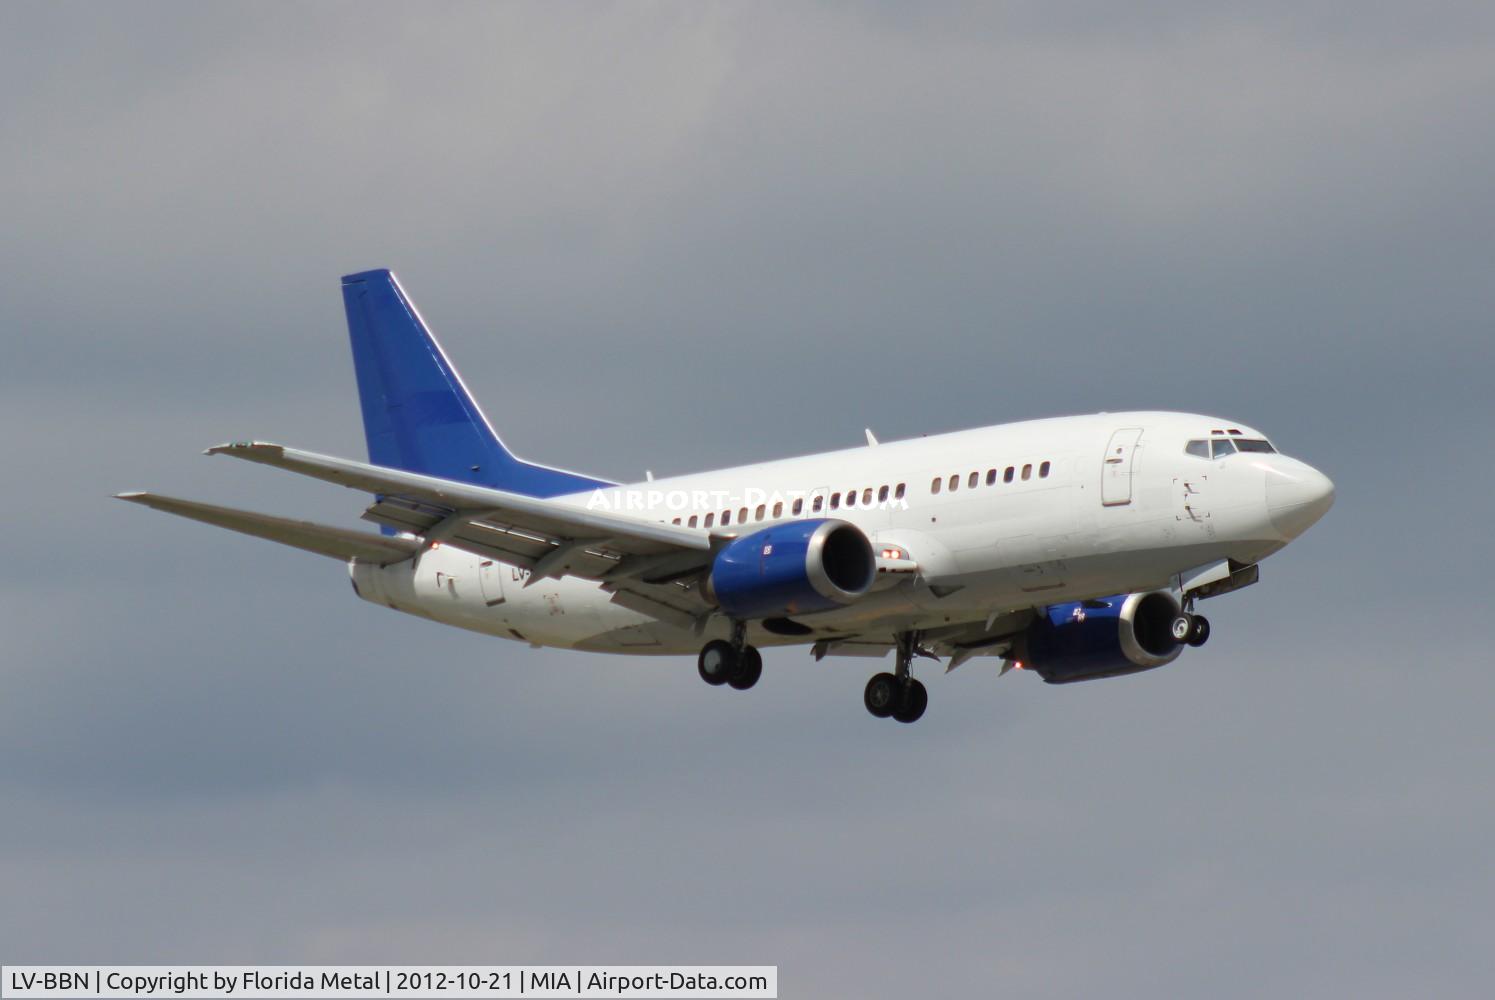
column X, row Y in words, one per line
column 1116, row 468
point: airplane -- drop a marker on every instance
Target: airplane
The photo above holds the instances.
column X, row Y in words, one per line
column 1075, row 547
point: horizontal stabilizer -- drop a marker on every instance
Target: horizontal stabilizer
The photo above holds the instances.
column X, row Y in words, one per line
column 339, row 543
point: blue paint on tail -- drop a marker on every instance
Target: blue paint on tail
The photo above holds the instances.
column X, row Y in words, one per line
column 417, row 414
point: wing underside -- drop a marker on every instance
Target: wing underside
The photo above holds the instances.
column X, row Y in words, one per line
column 954, row 644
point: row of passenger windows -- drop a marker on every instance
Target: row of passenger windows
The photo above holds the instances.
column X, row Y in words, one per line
column 1228, row 446
column 851, row 498
column 974, row 479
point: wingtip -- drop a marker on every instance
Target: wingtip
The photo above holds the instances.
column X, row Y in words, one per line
column 230, row 447
column 132, row 495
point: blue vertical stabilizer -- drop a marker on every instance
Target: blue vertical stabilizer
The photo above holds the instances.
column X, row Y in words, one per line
column 417, row 414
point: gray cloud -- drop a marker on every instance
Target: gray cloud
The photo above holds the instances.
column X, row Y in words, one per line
column 680, row 236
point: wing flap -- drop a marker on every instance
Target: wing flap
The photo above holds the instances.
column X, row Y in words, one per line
column 339, row 543
column 852, row 646
column 666, row 603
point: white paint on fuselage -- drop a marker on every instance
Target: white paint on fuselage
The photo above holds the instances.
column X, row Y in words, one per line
column 986, row 549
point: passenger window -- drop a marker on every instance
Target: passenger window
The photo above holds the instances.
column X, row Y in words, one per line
column 1223, row 447
column 742, row 515
column 867, row 496
column 709, row 519
column 1007, row 476
column 726, row 518
column 882, row 495
column 1043, row 471
column 1027, row 473
column 693, row 520
column 954, row 483
column 758, row 516
column 835, row 501
column 778, row 509
column 851, row 498
column 675, row 521
column 898, row 493
column 991, row 476
column 934, row 487
column 819, row 503
column 799, row 506
column 1255, row 445
column 1199, row 449
column 975, row 478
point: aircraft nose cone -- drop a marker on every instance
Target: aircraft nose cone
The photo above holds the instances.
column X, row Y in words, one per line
column 1297, row 496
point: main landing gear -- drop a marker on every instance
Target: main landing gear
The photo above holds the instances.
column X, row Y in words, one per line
column 735, row 662
column 1191, row 629
column 898, row 695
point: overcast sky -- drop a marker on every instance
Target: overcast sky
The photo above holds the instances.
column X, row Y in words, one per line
column 679, row 236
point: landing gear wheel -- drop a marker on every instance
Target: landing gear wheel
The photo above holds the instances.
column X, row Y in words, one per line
column 915, row 700
column 749, row 669
column 717, row 662
column 882, row 695
column 1182, row 627
column 1199, row 633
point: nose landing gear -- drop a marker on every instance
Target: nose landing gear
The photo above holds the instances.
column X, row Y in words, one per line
column 898, row 695
column 1190, row 629
column 735, row 662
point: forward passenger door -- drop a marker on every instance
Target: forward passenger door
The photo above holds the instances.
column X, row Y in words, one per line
column 1116, row 467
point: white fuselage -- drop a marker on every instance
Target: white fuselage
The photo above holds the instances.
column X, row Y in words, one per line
column 1110, row 504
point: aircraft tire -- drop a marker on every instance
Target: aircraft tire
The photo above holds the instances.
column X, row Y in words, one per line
column 749, row 669
column 1199, row 632
column 717, row 662
column 881, row 696
column 915, row 701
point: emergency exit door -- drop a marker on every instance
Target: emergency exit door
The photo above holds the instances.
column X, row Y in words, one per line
column 489, row 577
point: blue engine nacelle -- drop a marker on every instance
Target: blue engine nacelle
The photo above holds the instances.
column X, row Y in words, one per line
column 1087, row 640
column 791, row 569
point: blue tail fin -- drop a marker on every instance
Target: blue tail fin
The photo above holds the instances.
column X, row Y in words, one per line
column 417, row 414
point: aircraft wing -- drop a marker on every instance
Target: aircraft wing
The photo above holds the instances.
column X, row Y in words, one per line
column 340, row 543
column 647, row 565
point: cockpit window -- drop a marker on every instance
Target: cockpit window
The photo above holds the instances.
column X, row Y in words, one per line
column 1223, row 447
column 1199, row 448
column 1255, row 444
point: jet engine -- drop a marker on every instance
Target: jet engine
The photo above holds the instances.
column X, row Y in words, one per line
column 790, row 569
column 1105, row 637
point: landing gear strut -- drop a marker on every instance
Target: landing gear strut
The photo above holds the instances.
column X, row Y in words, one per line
column 730, row 662
column 898, row 695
